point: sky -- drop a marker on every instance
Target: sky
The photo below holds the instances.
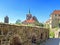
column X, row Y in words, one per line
column 17, row 9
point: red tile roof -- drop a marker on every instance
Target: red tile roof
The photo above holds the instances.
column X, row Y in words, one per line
column 56, row 12
column 30, row 21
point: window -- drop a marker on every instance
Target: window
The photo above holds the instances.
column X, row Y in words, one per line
column 55, row 14
column 59, row 14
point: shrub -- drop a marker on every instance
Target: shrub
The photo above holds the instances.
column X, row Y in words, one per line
column 51, row 34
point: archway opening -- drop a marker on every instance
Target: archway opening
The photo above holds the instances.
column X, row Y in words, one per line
column 16, row 41
column 59, row 25
column 41, row 37
column 59, row 35
column 33, row 39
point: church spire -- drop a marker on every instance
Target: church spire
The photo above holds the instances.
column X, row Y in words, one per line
column 29, row 11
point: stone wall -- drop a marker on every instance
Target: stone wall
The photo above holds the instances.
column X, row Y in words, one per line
column 57, row 33
column 22, row 35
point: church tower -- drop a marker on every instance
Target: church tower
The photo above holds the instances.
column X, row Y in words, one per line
column 6, row 19
column 28, row 16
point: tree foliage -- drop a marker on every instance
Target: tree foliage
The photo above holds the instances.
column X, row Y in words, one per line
column 18, row 21
column 39, row 24
column 51, row 34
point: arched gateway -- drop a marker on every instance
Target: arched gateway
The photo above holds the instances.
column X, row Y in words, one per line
column 15, row 41
column 59, row 34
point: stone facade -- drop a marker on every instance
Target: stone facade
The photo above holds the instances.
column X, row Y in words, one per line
column 57, row 33
column 22, row 35
column 54, row 19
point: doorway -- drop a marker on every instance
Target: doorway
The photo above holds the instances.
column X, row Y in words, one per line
column 59, row 35
column 33, row 39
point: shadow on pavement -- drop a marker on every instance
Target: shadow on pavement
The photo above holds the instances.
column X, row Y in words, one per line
column 52, row 41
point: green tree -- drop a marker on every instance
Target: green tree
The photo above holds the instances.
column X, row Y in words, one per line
column 39, row 24
column 18, row 21
column 51, row 34
column 47, row 26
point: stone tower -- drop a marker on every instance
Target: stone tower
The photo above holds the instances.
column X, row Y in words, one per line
column 6, row 19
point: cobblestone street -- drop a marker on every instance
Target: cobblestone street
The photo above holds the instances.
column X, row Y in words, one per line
column 52, row 41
